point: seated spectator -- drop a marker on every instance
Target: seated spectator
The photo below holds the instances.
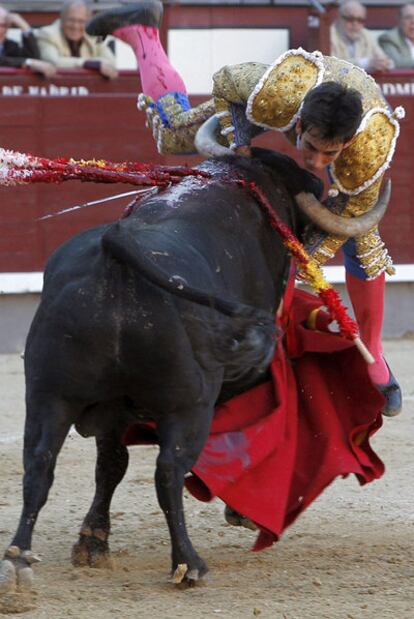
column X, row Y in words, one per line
column 66, row 45
column 398, row 43
column 351, row 41
column 25, row 55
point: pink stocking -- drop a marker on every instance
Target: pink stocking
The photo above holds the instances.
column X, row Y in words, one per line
column 158, row 76
column 367, row 298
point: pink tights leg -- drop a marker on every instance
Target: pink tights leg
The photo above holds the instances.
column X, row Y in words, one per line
column 367, row 298
column 158, row 76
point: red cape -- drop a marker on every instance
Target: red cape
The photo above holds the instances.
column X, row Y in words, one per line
column 273, row 449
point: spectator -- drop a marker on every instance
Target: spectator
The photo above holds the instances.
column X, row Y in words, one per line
column 351, row 41
column 398, row 43
column 25, row 55
column 65, row 43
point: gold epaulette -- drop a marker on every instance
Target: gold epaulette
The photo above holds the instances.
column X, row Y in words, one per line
column 370, row 152
column 276, row 100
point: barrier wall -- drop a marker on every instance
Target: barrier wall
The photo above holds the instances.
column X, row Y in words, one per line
column 79, row 114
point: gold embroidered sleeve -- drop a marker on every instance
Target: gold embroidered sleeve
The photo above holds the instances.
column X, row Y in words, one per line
column 178, row 136
column 194, row 116
column 232, row 86
column 223, row 113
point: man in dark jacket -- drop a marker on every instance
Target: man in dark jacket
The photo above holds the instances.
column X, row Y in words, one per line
column 25, row 55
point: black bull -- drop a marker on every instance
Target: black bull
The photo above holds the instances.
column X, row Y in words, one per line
column 110, row 345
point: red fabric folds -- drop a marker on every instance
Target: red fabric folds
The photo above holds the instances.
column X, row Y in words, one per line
column 273, row 449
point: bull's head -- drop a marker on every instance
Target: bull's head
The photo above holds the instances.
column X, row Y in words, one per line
column 207, row 144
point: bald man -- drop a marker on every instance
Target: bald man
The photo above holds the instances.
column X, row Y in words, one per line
column 351, row 41
column 65, row 43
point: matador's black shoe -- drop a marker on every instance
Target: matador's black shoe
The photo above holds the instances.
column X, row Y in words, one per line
column 146, row 13
column 393, row 397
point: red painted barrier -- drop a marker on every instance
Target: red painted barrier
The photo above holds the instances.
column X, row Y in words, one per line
column 79, row 114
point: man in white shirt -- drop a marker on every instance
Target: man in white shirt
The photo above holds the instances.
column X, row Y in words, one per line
column 65, row 43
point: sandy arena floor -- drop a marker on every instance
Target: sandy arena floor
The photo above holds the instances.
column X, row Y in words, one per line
column 350, row 556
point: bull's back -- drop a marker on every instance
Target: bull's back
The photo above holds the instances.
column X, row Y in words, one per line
column 105, row 325
column 214, row 235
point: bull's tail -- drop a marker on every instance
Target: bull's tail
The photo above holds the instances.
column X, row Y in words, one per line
column 120, row 244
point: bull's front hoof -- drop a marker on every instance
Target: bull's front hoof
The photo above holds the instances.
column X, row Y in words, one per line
column 91, row 551
column 184, row 577
column 16, row 573
column 8, row 577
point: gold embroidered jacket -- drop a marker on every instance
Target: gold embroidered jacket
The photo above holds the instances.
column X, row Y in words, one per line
column 270, row 97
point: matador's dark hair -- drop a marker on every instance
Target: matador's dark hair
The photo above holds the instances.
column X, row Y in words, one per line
column 334, row 110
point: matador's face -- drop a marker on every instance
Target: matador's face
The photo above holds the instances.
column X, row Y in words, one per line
column 317, row 153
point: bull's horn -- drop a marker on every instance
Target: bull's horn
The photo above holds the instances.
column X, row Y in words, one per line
column 344, row 226
column 206, row 139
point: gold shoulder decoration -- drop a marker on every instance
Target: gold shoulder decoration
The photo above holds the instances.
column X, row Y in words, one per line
column 370, row 152
column 277, row 98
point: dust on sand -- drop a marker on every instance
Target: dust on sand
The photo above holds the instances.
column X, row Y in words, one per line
column 350, row 556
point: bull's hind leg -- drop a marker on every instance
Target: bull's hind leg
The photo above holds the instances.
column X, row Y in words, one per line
column 47, row 424
column 111, row 464
column 181, row 441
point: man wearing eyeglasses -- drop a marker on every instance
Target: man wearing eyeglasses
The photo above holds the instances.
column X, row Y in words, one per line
column 351, row 41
